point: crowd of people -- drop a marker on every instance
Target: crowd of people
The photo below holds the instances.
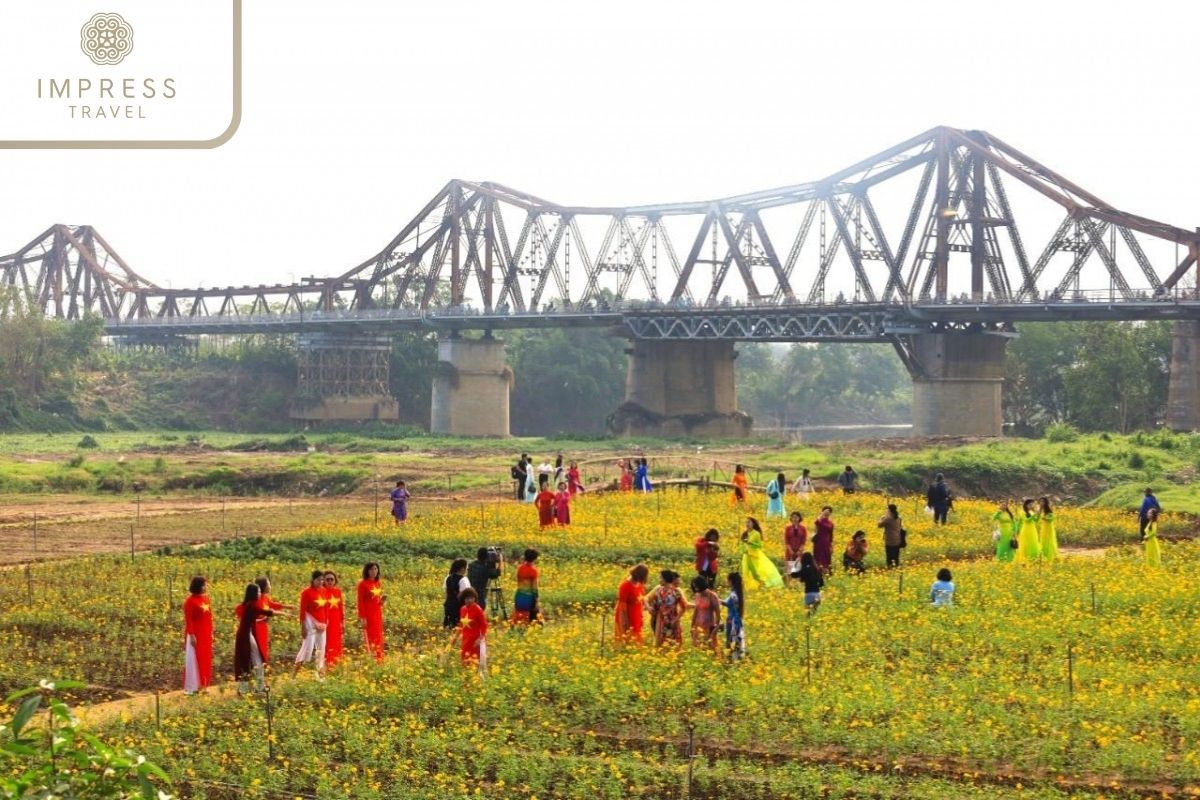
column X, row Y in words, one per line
column 1020, row 537
column 549, row 488
column 320, row 610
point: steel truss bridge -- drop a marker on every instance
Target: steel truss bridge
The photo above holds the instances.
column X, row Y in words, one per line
column 922, row 237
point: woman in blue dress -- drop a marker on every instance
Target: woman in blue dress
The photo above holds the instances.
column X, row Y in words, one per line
column 775, row 490
column 641, row 479
column 530, row 483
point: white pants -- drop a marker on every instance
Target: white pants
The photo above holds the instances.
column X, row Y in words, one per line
column 191, row 669
column 260, row 679
column 314, row 644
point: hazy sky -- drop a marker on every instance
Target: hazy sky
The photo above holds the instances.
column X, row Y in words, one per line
column 357, row 112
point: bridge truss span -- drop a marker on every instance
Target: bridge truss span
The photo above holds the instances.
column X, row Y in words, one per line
column 944, row 225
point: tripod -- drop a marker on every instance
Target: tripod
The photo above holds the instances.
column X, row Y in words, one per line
column 496, row 601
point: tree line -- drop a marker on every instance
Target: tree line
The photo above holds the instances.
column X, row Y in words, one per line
column 1092, row 375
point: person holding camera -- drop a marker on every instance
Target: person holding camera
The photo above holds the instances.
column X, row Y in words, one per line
column 487, row 566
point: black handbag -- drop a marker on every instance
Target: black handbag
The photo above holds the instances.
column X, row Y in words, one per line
column 903, row 538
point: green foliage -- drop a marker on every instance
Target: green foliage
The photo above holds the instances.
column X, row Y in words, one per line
column 414, row 358
column 63, row 760
column 40, row 360
column 88, row 442
column 808, row 384
column 1095, row 375
column 1061, row 432
column 565, row 380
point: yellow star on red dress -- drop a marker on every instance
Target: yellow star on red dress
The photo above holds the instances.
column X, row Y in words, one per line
column 320, row 602
column 335, row 601
column 465, row 622
column 376, row 591
column 205, row 607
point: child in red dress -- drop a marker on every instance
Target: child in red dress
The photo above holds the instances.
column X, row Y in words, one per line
column 472, row 630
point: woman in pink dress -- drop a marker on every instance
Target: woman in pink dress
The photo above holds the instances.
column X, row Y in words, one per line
column 562, row 504
column 574, row 484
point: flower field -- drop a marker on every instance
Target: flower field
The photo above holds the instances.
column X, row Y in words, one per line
column 1073, row 679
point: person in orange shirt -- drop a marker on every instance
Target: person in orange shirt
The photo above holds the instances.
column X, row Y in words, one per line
column 370, row 609
column 741, row 492
column 337, row 619
column 630, row 597
column 197, row 637
column 314, row 620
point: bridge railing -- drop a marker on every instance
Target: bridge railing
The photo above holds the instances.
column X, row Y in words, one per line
column 567, row 310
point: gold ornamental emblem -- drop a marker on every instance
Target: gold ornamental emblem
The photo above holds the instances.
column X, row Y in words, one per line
column 106, row 38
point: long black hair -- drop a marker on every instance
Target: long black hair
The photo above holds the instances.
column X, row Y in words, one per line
column 253, row 592
column 739, row 588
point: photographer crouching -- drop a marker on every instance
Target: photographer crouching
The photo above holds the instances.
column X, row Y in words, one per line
column 487, row 567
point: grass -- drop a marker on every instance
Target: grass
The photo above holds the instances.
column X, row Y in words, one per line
column 334, row 463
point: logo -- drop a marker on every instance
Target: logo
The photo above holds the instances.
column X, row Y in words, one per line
column 106, row 39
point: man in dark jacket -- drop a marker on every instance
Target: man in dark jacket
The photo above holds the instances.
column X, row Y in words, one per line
column 482, row 571
column 518, row 473
column 938, row 498
column 1148, row 502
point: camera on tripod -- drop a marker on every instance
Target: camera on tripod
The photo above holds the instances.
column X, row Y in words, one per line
column 495, row 556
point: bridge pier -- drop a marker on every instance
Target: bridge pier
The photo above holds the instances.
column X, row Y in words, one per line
column 679, row 388
column 470, row 388
column 344, row 378
column 1183, row 390
column 957, row 382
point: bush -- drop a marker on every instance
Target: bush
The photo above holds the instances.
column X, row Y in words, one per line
column 88, row 442
column 74, row 764
column 1061, row 432
column 1136, row 461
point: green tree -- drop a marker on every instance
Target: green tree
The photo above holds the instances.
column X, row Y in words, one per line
column 1036, row 364
column 1119, row 378
column 565, row 380
column 414, row 358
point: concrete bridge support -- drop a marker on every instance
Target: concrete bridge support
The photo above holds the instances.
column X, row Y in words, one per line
column 957, row 378
column 680, row 388
column 1183, row 391
column 470, row 388
column 344, row 378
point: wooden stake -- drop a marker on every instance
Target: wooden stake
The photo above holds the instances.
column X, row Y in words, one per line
column 691, row 755
column 808, row 652
column 1070, row 671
